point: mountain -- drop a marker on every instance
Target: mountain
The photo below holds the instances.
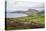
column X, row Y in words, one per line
column 34, row 12
column 31, row 11
column 18, row 12
column 42, row 12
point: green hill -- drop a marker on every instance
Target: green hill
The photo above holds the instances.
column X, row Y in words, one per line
column 28, row 22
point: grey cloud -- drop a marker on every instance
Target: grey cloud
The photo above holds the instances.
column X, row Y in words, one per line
column 24, row 5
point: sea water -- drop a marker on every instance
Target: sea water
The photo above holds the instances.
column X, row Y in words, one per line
column 14, row 15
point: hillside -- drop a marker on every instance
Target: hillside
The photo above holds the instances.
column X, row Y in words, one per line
column 28, row 22
column 33, row 20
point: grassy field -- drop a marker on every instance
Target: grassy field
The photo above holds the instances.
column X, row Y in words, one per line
column 28, row 22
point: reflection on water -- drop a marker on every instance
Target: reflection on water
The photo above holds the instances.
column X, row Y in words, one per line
column 14, row 15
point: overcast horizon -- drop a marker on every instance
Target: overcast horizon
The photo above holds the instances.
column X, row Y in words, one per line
column 24, row 4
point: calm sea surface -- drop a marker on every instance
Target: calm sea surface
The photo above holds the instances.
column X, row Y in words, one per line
column 14, row 15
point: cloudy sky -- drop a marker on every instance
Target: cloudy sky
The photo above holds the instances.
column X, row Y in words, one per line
column 24, row 4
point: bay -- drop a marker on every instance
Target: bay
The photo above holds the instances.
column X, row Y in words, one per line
column 15, row 15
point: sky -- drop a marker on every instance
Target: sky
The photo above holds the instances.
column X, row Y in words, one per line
column 13, row 5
